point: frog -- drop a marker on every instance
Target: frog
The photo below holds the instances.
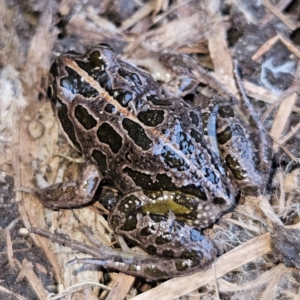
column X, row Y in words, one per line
column 177, row 167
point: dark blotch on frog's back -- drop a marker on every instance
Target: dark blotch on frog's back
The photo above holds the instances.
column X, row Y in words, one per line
column 185, row 143
column 236, row 169
column 130, row 223
column 163, row 182
column 84, row 118
column 151, row 117
column 219, row 201
column 193, row 256
column 100, row 159
column 122, row 96
column 155, row 272
column 75, row 85
column 115, row 222
column 151, row 249
column 110, row 108
column 129, row 204
column 67, row 124
column 163, row 239
column 107, row 135
column 226, row 111
column 147, row 230
column 173, row 160
column 133, row 77
column 86, row 66
column 158, row 101
column 197, row 136
column 137, row 133
column 168, row 253
column 194, row 118
column 54, row 69
column 230, row 131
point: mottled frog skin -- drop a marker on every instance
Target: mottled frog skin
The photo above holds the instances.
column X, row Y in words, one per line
column 177, row 167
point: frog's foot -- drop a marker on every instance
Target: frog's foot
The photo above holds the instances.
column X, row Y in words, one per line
column 154, row 267
column 72, row 193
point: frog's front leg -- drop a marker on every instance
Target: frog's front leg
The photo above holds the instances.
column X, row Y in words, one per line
column 72, row 193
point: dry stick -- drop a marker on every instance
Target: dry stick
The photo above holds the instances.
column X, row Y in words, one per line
column 291, row 46
column 281, row 5
column 10, row 252
column 260, row 93
column 289, row 134
column 8, row 292
column 263, row 279
column 285, row 19
column 143, row 12
column 121, row 287
column 271, row 42
column 77, row 288
column 216, row 282
column 163, row 15
column 265, row 47
column 281, row 117
column 292, row 157
column 157, row 7
column 26, row 270
column 281, row 200
column 287, row 93
column 220, row 54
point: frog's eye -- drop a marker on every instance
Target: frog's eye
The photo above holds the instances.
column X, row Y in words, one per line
column 50, row 91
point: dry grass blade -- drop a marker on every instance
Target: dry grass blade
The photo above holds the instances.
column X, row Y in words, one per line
column 79, row 287
column 10, row 252
column 265, row 47
column 292, row 25
column 282, row 115
column 174, row 34
column 140, row 14
column 26, row 270
column 275, row 273
column 280, row 5
column 121, row 287
column 287, row 136
column 220, row 54
column 10, row 293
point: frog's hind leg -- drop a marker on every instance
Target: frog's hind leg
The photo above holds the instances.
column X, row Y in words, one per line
column 179, row 248
column 162, row 229
column 152, row 267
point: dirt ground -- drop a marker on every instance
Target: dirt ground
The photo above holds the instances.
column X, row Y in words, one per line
column 258, row 242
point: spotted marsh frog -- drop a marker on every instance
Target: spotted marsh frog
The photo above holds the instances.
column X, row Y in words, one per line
column 177, row 167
